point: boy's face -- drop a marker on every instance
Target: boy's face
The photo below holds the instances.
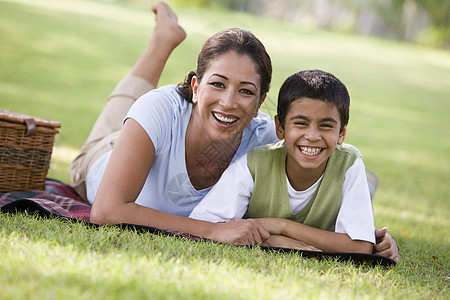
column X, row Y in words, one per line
column 311, row 133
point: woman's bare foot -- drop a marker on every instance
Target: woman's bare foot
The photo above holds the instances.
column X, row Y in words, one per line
column 167, row 30
column 167, row 35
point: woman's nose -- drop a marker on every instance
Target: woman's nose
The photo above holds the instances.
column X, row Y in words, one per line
column 228, row 99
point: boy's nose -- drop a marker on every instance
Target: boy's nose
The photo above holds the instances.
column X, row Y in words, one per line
column 313, row 134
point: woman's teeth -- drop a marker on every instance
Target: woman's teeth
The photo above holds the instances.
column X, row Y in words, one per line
column 310, row 151
column 223, row 118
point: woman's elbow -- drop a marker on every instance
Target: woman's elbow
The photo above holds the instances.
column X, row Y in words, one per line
column 97, row 217
column 100, row 215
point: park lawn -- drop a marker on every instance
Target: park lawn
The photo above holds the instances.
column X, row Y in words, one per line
column 61, row 58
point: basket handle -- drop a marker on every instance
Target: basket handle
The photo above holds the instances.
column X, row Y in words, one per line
column 31, row 126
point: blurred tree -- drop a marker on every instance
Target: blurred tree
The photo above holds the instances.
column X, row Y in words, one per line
column 439, row 12
column 423, row 21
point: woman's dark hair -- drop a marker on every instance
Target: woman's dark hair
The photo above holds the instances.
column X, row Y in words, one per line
column 314, row 84
column 231, row 39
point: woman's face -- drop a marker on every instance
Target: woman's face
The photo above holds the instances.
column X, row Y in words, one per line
column 228, row 96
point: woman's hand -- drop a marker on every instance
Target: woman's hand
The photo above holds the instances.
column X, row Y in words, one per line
column 386, row 245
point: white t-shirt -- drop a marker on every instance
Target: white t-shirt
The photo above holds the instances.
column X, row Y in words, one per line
column 230, row 197
column 165, row 115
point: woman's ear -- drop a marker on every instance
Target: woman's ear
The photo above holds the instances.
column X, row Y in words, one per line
column 259, row 105
column 342, row 134
column 278, row 128
column 194, row 86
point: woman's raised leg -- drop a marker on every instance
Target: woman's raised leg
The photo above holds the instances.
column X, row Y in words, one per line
column 143, row 77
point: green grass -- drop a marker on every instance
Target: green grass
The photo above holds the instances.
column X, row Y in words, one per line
column 59, row 59
column 40, row 259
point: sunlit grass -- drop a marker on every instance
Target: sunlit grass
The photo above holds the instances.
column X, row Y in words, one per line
column 111, row 263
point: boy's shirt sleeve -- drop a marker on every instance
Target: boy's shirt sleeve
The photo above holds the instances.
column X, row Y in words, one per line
column 230, row 196
column 355, row 216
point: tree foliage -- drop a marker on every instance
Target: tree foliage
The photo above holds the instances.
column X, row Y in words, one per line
column 423, row 21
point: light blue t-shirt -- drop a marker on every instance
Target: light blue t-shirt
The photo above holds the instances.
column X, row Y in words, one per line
column 165, row 115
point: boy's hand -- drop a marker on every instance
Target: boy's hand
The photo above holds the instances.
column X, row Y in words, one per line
column 241, row 232
column 386, row 245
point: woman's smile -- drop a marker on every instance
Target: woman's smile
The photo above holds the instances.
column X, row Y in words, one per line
column 224, row 119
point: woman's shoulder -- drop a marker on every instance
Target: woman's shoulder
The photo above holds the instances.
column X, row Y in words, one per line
column 160, row 108
column 261, row 129
column 167, row 96
column 262, row 122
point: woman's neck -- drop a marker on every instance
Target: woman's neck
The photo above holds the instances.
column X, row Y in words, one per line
column 207, row 159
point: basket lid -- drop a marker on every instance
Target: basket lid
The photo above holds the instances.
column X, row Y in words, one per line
column 24, row 119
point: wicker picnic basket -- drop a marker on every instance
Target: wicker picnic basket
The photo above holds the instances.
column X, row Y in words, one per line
column 26, row 145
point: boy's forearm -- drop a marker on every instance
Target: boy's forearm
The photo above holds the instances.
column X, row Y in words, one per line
column 286, row 242
column 322, row 239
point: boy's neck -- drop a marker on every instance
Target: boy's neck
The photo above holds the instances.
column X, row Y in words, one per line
column 302, row 179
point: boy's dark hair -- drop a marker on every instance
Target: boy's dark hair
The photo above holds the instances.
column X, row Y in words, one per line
column 314, row 84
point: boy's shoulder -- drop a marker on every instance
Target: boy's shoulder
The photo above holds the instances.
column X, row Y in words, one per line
column 348, row 149
column 266, row 154
column 266, row 159
column 343, row 157
column 269, row 147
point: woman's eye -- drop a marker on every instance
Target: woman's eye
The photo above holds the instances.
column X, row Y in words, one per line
column 217, row 84
column 247, row 92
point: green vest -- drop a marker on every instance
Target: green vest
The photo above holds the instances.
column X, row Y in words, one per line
column 270, row 198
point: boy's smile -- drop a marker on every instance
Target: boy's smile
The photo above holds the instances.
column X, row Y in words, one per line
column 311, row 133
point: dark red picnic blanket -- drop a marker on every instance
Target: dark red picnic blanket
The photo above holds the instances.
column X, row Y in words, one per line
column 61, row 200
column 58, row 199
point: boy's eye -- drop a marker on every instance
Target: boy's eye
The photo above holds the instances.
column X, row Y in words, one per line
column 299, row 123
column 327, row 125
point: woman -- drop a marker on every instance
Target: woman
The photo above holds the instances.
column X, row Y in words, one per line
column 176, row 142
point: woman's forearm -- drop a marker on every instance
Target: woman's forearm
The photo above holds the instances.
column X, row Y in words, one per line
column 241, row 232
column 133, row 213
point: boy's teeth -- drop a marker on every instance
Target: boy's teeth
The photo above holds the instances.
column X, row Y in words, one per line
column 310, row 151
column 224, row 119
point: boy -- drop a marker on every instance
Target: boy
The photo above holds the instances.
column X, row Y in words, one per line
column 308, row 188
